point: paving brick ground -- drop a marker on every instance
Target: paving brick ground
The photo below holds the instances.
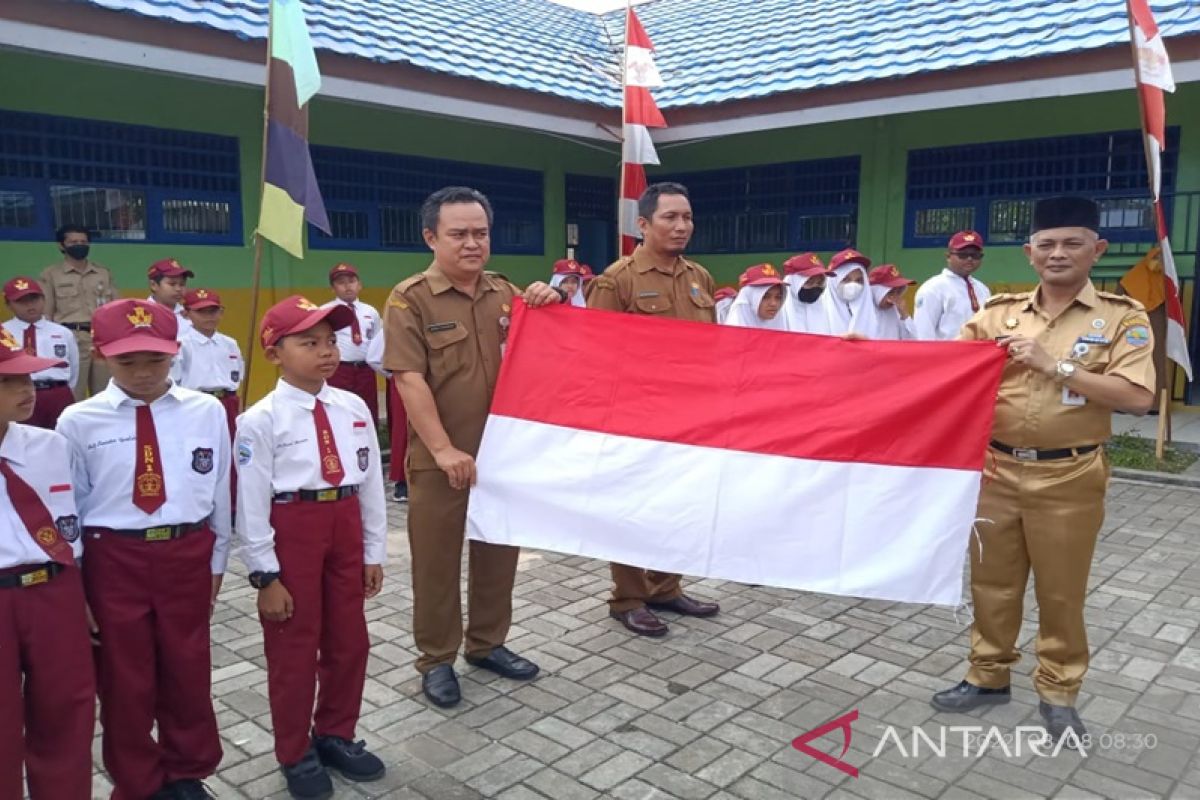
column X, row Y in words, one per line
column 711, row 711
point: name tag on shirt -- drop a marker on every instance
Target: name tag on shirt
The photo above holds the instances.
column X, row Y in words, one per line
column 647, row 294
column 442, row 326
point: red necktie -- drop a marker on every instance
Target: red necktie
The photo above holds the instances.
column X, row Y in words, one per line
column 971, row 294
column 149, row 488
column 36, row 517
column 355, row 331
column 331, row 464
column 31, row 340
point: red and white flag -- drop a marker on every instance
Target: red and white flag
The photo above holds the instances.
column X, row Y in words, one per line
column 641, row 113
column 1153, row 72
column 805, row 462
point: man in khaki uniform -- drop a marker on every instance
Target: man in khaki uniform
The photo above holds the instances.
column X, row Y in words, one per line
column 75, row 287
column 446, row 329
column 657, row 280
column 1075, row 355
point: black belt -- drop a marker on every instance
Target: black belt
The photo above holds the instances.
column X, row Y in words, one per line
column 354, row 364
column 159, row 533
column 218, row 393
column 316, row 495
column 1033, row 454
column 28, row 575
column 48, row 384
column 77, row 326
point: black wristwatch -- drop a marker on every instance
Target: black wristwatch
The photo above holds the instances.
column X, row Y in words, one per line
column 562, row 294
column 261, row 580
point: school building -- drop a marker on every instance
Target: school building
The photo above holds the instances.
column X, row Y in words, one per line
column 883, row 125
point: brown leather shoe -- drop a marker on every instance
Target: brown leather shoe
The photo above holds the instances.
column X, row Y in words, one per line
column 686, row 606
column 641, row 621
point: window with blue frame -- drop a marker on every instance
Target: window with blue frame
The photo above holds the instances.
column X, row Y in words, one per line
column 127, row 183
column 374, row 200
column 796, row 206
column 991, row 187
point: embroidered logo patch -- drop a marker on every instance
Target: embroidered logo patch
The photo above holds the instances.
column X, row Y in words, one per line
column 363, row 458
column 1137, row 336
column 244, row 454
column 60, row 351
column 202, row 460
column 68, row 526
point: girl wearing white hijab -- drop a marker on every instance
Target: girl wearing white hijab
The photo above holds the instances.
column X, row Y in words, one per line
column 805, row 277
column 847, row 303
column 568, row 273
column 887, row 292
column 723, row 298
column 759, row 300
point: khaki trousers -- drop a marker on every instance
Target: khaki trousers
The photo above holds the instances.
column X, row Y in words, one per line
column 1045, row 517
column 93, row 375
column 437, row 521
column 633, row 587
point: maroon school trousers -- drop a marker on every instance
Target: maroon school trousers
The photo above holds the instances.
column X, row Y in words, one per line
column 151, row 602
column 358, row 378
column 49, row 404
column 320, row 552
column 398, row 429
column 48, row 725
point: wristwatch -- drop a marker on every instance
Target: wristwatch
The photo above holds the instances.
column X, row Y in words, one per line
column 261, row 580
column 562, row 294
column 1064, row 371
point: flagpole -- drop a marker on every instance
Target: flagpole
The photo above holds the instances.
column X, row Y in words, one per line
column 624, row 116
column 258, row 239
column 1164, row 400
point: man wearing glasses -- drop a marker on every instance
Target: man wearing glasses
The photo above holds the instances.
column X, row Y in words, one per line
column 946, row 301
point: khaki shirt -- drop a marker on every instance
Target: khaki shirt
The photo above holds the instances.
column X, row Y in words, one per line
column 455, row 342
column 1104, row 333
column 72, row 295
column 636, row 284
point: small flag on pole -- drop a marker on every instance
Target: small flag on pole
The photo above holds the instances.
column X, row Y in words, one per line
column 640, row 114
column 1153, row 72
column 290, row 194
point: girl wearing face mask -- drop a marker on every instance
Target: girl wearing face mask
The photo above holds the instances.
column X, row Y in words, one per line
column 568, row 274
column 805, row 277
column 887, row 292
column 847, row 303
column 759, row 300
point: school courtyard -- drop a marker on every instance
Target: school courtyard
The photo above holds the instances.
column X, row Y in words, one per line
column 711, row 711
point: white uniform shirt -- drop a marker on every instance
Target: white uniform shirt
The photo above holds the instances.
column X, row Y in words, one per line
column 368, row 325
column 276, row 446
column 208, row 362
column 185, row 324
column 375, row 355
column 53, row 341
column 193, row 443
column 42, row 459
column 943, row 305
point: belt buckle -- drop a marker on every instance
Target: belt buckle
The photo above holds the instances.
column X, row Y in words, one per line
column 34, row 578
column 160, row 534
column 1025, row 454
column 327, row 495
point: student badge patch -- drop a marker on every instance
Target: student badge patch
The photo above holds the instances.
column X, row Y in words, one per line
column 202, row 460
column 68, row 526
column 363, row 458
column 244, row 454
column 1137, row 336
column 60, row 351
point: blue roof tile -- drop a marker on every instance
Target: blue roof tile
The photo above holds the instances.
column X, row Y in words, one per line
column 709, row 51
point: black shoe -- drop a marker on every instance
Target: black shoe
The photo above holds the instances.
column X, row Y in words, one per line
column 440, row 685
column 506, row 663
column 966, row 696
column 308, row 779
column 400, row 492
column 349, row 758
column 1059, row 720
column 191, row 789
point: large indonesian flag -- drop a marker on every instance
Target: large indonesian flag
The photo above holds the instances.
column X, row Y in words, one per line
column 806, row 462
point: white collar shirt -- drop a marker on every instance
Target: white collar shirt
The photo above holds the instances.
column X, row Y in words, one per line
column 193, row 443
column 943, row 305
column 276, row 450
column 53, row 341
column 209, row 362
column 369, row 327
column 185, row 324
column 42, row 459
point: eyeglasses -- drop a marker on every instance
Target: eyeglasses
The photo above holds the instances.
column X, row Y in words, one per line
column 968, row 256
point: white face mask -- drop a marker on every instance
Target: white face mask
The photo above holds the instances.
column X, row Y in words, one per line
column 850, row 291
